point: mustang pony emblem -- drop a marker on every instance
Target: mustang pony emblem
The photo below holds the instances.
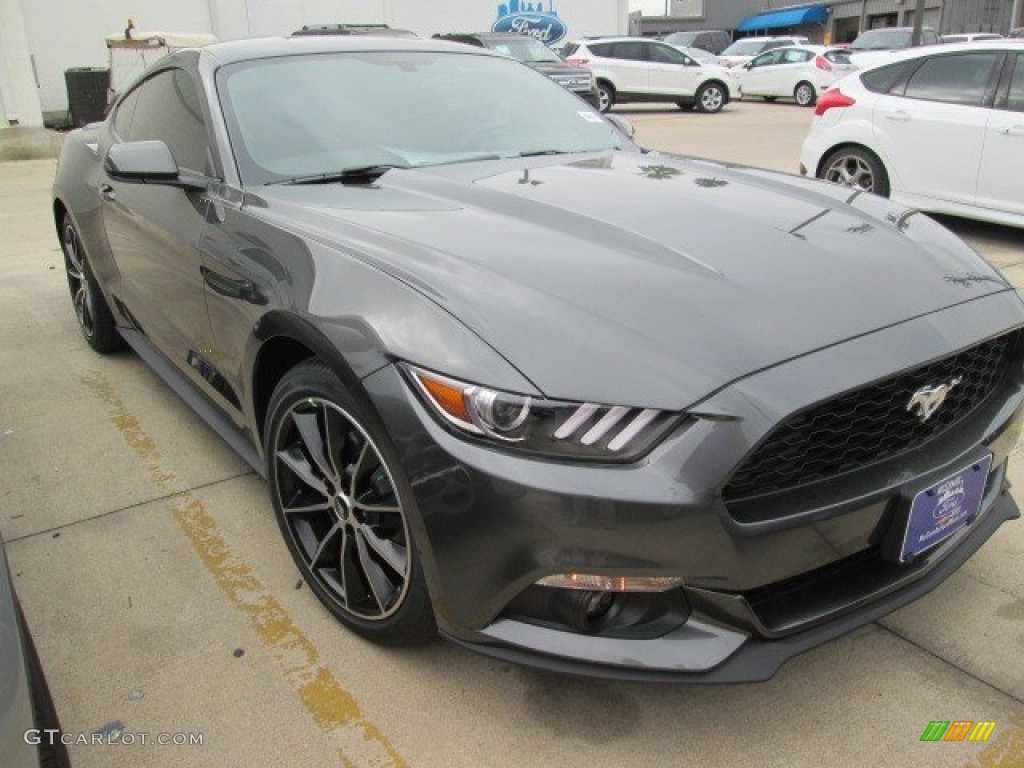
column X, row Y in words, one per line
column 928, row 399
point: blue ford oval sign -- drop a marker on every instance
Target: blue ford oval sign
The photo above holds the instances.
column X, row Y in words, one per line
column 530, row 19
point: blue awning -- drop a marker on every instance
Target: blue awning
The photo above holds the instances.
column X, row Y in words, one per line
column 790, row 17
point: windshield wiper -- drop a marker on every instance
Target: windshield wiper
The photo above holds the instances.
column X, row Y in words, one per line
column 540, row 152
column 365, row 174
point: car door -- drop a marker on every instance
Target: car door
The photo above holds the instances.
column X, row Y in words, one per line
column 153, row 229
column 932, row 129
column 1001, row 175
column 791, row 69
column 672, row 71
column 759, row 73
column 631, row 67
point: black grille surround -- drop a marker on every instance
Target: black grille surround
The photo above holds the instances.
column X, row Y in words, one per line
column 870, row 424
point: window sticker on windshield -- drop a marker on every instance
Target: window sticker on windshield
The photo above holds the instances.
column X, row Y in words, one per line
column 591, row 117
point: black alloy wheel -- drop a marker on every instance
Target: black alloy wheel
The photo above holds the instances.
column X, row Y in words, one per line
column 94, row 317
column 341, row 506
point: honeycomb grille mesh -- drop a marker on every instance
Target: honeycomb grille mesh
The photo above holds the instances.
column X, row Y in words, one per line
column 870, row 424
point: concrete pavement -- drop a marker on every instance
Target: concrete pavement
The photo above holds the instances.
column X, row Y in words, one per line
column 162, row 599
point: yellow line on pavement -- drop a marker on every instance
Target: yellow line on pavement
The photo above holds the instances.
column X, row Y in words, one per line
column 358, row 741
column 1005, row 751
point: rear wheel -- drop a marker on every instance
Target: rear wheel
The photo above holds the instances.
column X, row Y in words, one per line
column 341, row 501
column 94, row 317
column 711, row 97
column 857, row 168
column 804, row 94
column 605, row 96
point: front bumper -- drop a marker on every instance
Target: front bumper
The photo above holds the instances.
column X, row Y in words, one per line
column 491, row 523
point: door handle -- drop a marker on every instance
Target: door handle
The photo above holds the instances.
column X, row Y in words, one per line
column 1013, row 130
column 899, row 116
column 240, row 288
column 107, row 192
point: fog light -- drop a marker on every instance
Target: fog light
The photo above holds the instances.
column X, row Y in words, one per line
column 598, row 604
column 584, row 612
column 593, row 582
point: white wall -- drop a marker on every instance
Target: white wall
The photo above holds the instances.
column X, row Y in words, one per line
column 70, row 33
column 19, row 98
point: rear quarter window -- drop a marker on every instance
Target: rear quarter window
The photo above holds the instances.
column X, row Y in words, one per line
column 601, row 49
column 882, row 80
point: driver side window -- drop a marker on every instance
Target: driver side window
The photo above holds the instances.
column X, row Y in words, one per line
column 765, row 59
column 169, row 110
column 124, row 113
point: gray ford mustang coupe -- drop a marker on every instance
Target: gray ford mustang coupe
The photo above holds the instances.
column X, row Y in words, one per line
column 511, row 377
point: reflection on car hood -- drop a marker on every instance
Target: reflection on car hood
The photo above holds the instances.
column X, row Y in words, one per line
column 641, row 279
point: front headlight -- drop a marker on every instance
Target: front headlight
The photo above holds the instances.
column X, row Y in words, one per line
column 547, row 427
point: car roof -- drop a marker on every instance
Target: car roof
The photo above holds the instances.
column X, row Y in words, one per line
column 804, row 47
column 485, row 35
column 897, row 29
column 904, row 54
column 273, row 47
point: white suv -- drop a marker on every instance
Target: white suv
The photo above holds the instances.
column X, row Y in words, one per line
column 629, row 69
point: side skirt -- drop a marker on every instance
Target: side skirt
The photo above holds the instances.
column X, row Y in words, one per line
column 194, row 398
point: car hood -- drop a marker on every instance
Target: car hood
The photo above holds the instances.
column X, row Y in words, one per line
column 550, row 68
column 639, row 279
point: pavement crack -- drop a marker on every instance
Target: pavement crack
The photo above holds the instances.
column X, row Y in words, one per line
column 944, row 660
column 128, row 508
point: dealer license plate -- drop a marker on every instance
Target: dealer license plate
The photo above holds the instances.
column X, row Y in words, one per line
column 940, row 511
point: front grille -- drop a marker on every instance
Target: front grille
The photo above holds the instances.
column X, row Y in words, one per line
column 870, row 424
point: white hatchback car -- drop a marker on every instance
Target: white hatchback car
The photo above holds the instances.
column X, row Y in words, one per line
column 746, row 48
column 940, row 129
column 629, row 69
column 799, row 72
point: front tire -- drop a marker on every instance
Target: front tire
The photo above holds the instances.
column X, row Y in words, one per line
column 341, row 501
column 805, row 95
column 605, row 97
column 858, row 168
column 711, row 97
column 94, row 317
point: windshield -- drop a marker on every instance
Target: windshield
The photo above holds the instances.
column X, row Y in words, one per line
column 682, row 38
column 744, row 48
column 320, row 114
column 525, row 49
column 881, row 40
column 699, row 54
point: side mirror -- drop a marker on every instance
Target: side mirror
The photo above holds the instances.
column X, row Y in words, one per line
column 622, row 124
column 749, row 65
column 148, row 162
